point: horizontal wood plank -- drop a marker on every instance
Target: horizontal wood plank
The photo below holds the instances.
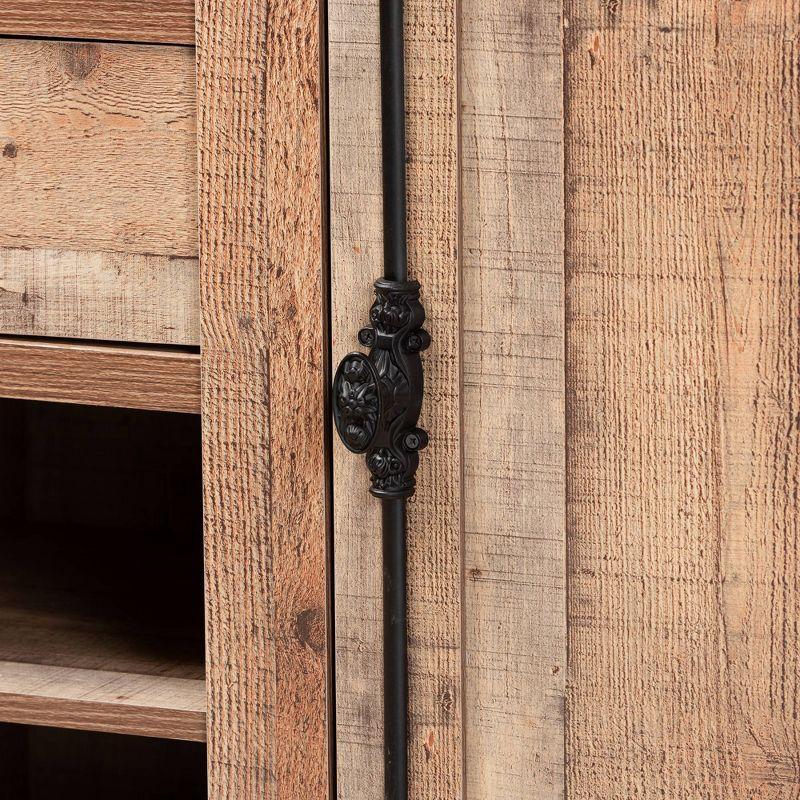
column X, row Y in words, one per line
column 96, row 700
column 158, row 21
column 98, row 147
column 93, row 295
column 104, row 375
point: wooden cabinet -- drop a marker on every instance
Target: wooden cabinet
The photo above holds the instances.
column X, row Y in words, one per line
column 163, row 612
column 602, row 551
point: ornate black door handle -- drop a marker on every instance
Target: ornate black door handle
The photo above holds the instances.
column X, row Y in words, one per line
column 377, row 398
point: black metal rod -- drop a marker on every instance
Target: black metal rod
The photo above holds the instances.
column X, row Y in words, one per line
column 395, row 651
column 395, row 268
column 393, row 106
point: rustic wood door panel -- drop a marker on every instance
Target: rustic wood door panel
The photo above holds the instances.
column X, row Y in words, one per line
column 683, row 330
column 263, row 411
column 487, row 530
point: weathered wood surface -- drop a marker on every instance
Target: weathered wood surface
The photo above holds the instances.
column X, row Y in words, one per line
column 683, row 335
column 435, row 545
column 97, row 147
column 513, row 398
column 100, row 375
column 157, row 21
column 261, row 255
column 94, row 700
column 435, row 517
column 356, row 259
column 91, row 295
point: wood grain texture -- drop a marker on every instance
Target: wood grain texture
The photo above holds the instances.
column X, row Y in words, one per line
column 683, row 357
column 435, row 543
column 435, row 522
column 98, row 147
column 158, row 21
column 90, row 295
column 513, row 398
column 113, row 702
column 100, row 375
column 261, row 257
column 357, row 254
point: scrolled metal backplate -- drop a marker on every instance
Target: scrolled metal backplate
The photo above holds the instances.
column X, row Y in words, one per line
column 377, row 398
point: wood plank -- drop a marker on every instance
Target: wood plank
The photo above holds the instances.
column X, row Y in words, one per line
column 435, row 541
column 435, row 518
column 103, row 375
column 155, row 21
column 98, row 147
column 263, row 412
column 113, row 702
column 682, row 371
column 357, row 253
column 513, row 398
column 92, row 295
column 436, row 757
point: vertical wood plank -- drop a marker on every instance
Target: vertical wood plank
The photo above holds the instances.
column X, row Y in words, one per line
column 356, row 253
column 435, row 519
column 683, row 335
column 514, row 451
column 262, row 346
column 435, row 542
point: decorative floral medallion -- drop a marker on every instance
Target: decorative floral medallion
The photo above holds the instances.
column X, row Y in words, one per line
column 356, row 402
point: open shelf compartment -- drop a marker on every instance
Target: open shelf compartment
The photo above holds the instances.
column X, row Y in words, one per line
column 101, row 579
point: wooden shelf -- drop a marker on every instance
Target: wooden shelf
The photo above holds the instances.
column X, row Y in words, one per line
column 102, row 375
column 79, row 650
column 77, row 660
column 96, row 700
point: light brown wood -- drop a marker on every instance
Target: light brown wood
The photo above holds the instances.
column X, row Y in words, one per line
column 435, row 522
column 108, row 296
column 261, row 255
column 435, row 543
column 357, row 253
column 683, row 304
column 513, row 398
column 97, row 147
column 162, row 21
column 114, row 702
column 103, row 375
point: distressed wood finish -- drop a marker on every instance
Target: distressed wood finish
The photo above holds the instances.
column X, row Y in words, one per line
column 683, row 450
column 98, row 147
column 357, row 257
column 100, row 375
column 435, row 543
column 435, row 540
column 263, row 415
column 93, row 700
column 513, row 397
column 158, row 21
column 108, row 296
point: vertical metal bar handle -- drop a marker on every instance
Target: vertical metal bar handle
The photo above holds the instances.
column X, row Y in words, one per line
column 377, row 399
